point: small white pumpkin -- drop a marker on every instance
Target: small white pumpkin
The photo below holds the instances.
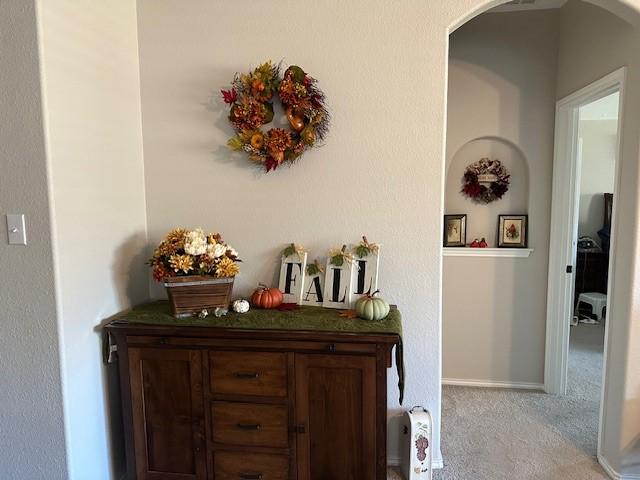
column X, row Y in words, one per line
column 240, row 306
column 370, row 307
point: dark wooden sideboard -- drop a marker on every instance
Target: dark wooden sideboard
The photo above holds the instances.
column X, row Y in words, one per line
column 237, row 404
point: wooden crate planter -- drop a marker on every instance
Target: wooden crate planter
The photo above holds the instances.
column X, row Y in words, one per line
column 191, row 294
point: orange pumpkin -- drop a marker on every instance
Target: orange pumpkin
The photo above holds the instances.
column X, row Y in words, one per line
column 265, row 297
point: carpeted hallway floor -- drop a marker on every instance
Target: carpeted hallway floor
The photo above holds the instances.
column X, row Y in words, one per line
column 499, row 434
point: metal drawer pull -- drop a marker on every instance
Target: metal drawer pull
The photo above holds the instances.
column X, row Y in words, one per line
column 332, row 348
column 251, row 476
column 248, row 426
column 246, row 375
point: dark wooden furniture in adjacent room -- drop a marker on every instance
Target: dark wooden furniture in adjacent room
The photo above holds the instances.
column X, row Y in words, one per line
column 592, row 269
column 592, row 265
column 226, row 403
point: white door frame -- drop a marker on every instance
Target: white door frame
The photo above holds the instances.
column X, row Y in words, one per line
column 564, row 227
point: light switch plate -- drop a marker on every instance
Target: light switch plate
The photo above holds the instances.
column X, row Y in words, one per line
column 15, row 229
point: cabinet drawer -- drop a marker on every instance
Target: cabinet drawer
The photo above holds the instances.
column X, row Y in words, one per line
column 250, row 466
column 250, row 424
column 249, row 373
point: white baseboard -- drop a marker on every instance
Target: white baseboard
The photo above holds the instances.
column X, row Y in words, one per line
column 492, row 384
column 612, row 473
column 436, row 463
column 394, row 461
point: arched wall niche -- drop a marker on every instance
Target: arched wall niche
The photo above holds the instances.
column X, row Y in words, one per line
column 482, row 220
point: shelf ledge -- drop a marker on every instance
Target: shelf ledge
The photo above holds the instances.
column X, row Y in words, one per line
column 487, row 252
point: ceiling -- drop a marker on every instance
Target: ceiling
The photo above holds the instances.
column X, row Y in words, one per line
column 520, row 5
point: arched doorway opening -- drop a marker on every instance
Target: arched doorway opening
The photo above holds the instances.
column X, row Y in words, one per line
column 524, row 361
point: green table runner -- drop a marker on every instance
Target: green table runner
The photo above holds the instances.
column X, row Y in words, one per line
column 303, row 318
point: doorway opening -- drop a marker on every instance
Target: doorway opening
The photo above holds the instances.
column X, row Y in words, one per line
column 587, row 152
column 507, row 69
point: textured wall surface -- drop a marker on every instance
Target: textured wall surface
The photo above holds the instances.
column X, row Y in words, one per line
column 594, row 44
column 502, row 78
column 383, row 67
column 92, row 108
column 600, row 147
column 379, row 173
column 31, row 420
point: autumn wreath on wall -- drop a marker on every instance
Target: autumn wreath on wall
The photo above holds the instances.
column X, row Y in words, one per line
column 485, row 181
column 251, row 98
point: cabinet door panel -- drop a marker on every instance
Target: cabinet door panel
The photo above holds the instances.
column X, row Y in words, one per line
column 167, row 404
column 335, row 403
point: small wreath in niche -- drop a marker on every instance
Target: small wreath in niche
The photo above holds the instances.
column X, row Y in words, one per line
column 251, row 100
column 486, row 181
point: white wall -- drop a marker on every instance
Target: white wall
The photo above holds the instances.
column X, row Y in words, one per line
column 31, row 422
column 92, row 105
column 592, row 45
column 599, row 150
column 379, row 173
column 502, row 75
column 387, row 134
column 389, row 123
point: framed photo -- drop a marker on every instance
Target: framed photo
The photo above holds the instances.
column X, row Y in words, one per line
column 455, row 231
column 292, row 270
column 512, row 231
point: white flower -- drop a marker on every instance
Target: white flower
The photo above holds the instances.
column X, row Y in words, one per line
column 216, row 250
column 196, row 242
column 232, row 251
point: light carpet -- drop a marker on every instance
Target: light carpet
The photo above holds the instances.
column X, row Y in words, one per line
column 501, row 434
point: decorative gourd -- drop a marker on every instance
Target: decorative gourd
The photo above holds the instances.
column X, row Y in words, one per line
column 370, row 307
column 240, row 306
column 265, row 297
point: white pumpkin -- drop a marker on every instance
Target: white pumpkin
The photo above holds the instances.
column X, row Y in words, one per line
column 240, row 306
column 370, row 307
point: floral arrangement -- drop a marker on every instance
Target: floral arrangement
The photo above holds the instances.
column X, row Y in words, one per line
column 251, row 106
column 364, row 248
column 339, row 257
column 192, row 252
column 485, row 181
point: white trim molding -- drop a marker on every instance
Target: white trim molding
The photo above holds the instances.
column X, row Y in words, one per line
column 612, row 473
column 436, row 463
column 487, row 252
column 563, row 239
column 492, row 384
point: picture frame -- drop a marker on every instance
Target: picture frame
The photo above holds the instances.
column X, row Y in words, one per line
column 454, row 231
column 292, row 273
column 513, row 231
